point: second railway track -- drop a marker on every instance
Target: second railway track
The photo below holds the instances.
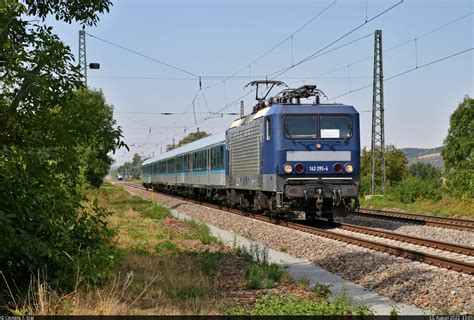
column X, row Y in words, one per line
column 442, row 254
column 428, row 220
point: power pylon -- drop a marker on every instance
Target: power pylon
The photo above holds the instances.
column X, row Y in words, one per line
column 82, row 56
column 377, row 162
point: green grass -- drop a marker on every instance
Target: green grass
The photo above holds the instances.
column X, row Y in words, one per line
column 167, row 247
column 447, row 207
column 201, row 231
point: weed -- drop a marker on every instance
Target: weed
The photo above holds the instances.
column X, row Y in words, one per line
column 254, row 252
column 394, row 312
column 283, row 248
column 201, row 230
column 262, row 276
column 322, row 290
column 303, row 281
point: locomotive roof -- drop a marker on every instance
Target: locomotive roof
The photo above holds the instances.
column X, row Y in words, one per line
column 291, row 108
column 196, row 145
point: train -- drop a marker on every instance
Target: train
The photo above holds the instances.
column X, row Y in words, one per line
column 290, row 157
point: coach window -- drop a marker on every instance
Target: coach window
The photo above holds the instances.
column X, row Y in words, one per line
column 335, row 127
column 268, row 135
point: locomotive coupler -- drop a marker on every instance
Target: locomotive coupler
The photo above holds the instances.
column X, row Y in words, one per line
column 319, row 202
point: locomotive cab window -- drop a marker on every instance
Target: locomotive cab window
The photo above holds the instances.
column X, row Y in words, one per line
column 301, row 127
column 335, row 127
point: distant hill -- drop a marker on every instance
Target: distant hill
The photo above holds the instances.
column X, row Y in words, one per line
column 431, row 156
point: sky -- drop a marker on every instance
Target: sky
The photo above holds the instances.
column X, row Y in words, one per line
column 251, row 40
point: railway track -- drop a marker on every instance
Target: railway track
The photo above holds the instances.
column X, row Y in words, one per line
column 442, row 222
column 442, row 254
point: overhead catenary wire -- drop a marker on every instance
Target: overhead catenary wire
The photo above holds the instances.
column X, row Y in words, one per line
column 143, row 55
column 406, row 42
column 278, row 73
column 405, row 72
column 305, row 59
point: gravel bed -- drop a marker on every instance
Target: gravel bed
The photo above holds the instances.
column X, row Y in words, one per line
column 428, row 232
column 402, row 280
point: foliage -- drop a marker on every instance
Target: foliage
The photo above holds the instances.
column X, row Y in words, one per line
column 396, row 167
column 414, row 188
column 458, row 152
column 322, row 290
column 54, row 142
column 193, row 136
column 262, row 276
column 425, row 171
column 131, row 169
column 292, row 306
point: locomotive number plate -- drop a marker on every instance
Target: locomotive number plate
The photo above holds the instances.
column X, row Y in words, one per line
column 318, row 168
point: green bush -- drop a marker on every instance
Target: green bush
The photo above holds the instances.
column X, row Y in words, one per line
column 413, row 188
column 262, row 276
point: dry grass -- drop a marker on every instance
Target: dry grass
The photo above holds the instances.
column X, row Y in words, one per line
column 159, row 270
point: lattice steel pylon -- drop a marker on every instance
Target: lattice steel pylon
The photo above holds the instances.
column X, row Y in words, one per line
column 82, row 56
column 377, row 160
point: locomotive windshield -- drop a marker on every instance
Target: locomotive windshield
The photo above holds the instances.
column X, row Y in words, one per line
column 335, row 127
column 306, row 127
column 301, row 127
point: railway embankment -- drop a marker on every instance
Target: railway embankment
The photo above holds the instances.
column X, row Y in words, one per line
column 406, row 281
column 176, row 266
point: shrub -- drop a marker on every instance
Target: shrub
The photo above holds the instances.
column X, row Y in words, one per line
column 262, row 276
column 413, row 188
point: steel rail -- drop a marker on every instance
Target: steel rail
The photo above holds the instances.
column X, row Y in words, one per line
column 443, row 262
column 429, row 220
column 441, row 245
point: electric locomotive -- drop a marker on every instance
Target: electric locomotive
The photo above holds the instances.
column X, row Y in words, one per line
column 294, row 159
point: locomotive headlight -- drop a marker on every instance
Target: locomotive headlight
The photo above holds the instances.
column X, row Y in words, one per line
column 288, row 168
column 349, row 168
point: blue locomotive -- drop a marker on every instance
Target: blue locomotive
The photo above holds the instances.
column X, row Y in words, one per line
column 287, row 158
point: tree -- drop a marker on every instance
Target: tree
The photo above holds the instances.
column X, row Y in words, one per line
column 396, row 167
column 425, row 171
column 55, row 140
column 458, row 152
column 131, row 169
column 193, row 136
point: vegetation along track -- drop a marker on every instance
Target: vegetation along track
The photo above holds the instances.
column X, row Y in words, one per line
column 442, row 258
column 442, row 222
